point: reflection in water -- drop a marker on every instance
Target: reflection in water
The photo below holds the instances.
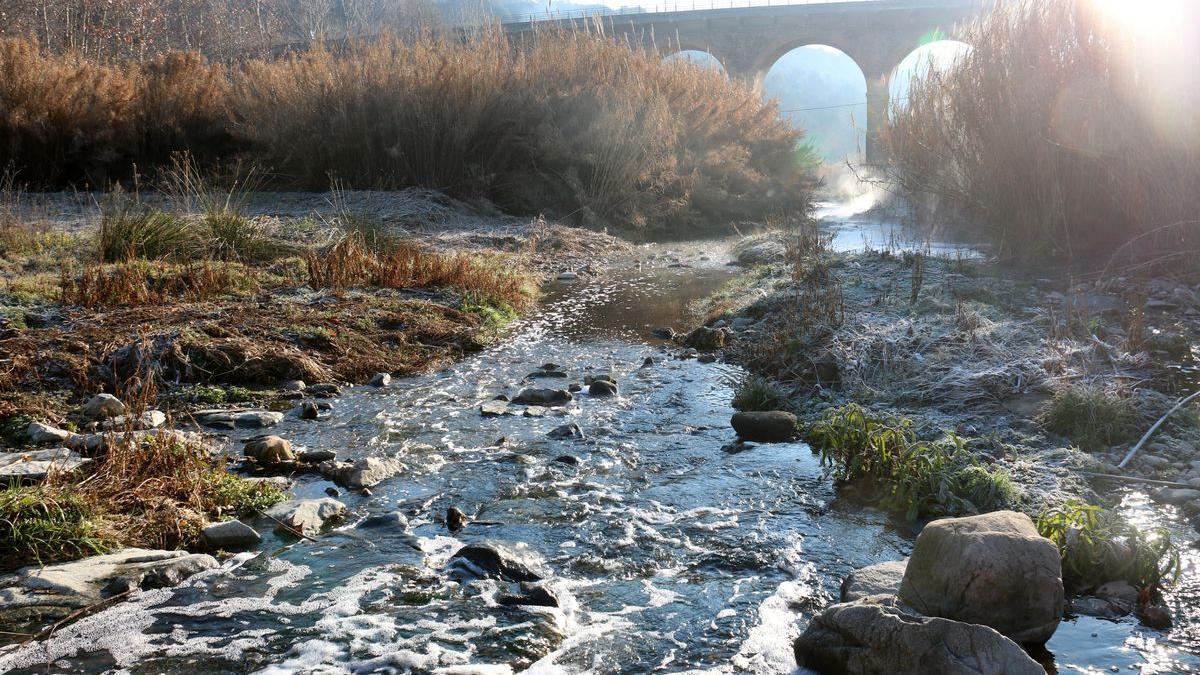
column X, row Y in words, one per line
column 665, row 552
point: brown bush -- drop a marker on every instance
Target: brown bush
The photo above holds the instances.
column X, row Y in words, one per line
column 1039, row 140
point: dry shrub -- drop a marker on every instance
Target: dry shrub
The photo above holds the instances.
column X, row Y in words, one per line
column 1038, row 140
column 350, row 262
column 154, row 283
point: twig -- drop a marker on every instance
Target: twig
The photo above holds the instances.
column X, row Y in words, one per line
column 1150, row 432
column 287, row 527
column 1136, row 479
column 76, row 615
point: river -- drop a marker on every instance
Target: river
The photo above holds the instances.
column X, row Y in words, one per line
column 666, row 552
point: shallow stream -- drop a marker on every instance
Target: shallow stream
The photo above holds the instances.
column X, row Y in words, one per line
column 667, row 553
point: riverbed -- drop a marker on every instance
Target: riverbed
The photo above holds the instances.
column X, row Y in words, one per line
column 665, row 551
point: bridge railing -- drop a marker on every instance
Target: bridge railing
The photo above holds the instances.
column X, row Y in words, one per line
column 659, row 8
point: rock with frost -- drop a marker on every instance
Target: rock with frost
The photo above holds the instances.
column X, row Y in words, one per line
column 43, row 434
column 993, row 569
column 102, row 406
column 32, row 466
column 873, row 635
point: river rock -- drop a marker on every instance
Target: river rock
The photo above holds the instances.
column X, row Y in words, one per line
column 874, row 636
column 547, row 374
column 231, row 535
column 565, row 431
column 380, row 380
column 307, row 516
column 602, row 388
column 881, row 579
column 102, row 406
column 544, row 397
column 244, row 419
column 362, row 473
column 536, row 411
column 495, row 561
column 993, row 569
column 324, row 390
column 494, row 408
column 36, row 595
column 664, row 333
column 762, row 252
column 393, row 520
column 456, row 519
column 308, row 411
column 270, row 450
column 42, row 434
column 1176, row 496
column 151, row 419
column 567, row 276
column 281, row 483
column 294, row 386
column 32, row 466
column 706, row 339
column 767, row 427
column 530, row 595
column 316, row 456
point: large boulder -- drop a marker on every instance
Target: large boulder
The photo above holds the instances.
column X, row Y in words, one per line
column 873, row 635
column 881, row 579
column 767, row 427
column 496, row 561
column 38, row 595
column 992, row 569
column 270, row 450
column 230, row 535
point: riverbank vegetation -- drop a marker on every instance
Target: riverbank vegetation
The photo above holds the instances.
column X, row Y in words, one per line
column 1068, row 131
column 575, row 126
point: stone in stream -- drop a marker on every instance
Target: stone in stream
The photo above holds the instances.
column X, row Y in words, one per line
column 881, row 579
column 307, row 516
column 230, row 535
column 308, row 411
column 543, row 397
column 530, row 595
column 494, row 408
column 243, row 419
column 535, row 411
column 567, row 276
column 648, row 362
column 602, row 388
column 547, row 374
column 565, row 431
column 332, row 491
column 34, row 465
column 706, row 339
column 293, row 386
column 316, row 456
column 993, row 569
column 41, row 434
column 765, row 426
column 102, row 406
column 874, row 635
column 324, row 390
column 574, row 387
column 38, row 595
column 567, row 459
column 380, row 380
column 495, row 561
column 365, row 472
column 269, row 450
column 665, row 333
column 393, row 520
column 1176, row 496
column 456, row 519
column 1155, row 616
column 151, row 419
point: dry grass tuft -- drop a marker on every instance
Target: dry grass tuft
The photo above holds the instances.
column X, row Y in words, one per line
column 1037, row 140
column 155, row 283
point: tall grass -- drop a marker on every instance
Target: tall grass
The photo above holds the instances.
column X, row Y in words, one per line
column 1045, row 140
column 572, row 125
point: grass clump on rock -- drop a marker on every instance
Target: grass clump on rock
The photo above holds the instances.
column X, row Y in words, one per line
column 1093, row 418
column 757, row 393
column 1099, row 545
column 46, row 525
column 882, row 455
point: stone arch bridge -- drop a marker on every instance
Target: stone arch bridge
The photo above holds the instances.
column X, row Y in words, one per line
column 748, row 40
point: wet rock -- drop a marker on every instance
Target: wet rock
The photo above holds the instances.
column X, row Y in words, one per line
column 531, row 595
column 737, row 446
column 102, row 406
column 380, row 380
column 567, row 459
column 231, row 535
column 308, row 411
column 1120, row 593
column 602, row 388
column 992, row 569
column 881, row 579
column 544, row 397
column 35, row 596
column 316, row 456
column 574, row 387
column 366, row 472
column 32, row 466
column 1157, row 617
column 293, row 386
column 549, row 366
column 1092, row 606
column 767, row 427
column 42, row 434
column 1176, row 496
column 270, row 450
column 547, row 374
column 393, row 520
column 648, row 362
column 456, row 519
column 874, row 635
column 567, row 276
column 665, row 333
column 598, row 377
column 565, row 431
column 495, row 561
column 535, row 411
column 307, row 516
column 706, row 339
column 706, row 358
column 325, row 390
column 243, row 419
column 494, row 408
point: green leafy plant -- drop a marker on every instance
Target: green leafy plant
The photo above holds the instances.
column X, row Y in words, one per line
column 1090, row 417
column 45, row 526
column 917, row 477
column 1099, row 545
column 129, row 231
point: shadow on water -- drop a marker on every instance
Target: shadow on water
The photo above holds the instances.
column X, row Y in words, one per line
column 665, row 552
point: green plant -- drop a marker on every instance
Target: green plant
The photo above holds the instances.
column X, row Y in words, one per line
column 129, row 231
column 1098, row 545
column 758, row 393
column 45, row 526
column 920, row 478
column 1090, row 417
column 232, row 497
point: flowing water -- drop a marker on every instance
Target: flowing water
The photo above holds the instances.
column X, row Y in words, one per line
column 667, row 553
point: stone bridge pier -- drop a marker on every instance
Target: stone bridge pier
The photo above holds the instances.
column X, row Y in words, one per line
column 876, row 34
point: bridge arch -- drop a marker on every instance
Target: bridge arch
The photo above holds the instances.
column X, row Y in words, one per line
column 822, row 90
column 938, row 55
column 697, row 57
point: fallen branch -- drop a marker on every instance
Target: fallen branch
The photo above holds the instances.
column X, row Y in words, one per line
column 77, row 615
column 1150, row 432
column 287, row 527
column 1136, row 479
